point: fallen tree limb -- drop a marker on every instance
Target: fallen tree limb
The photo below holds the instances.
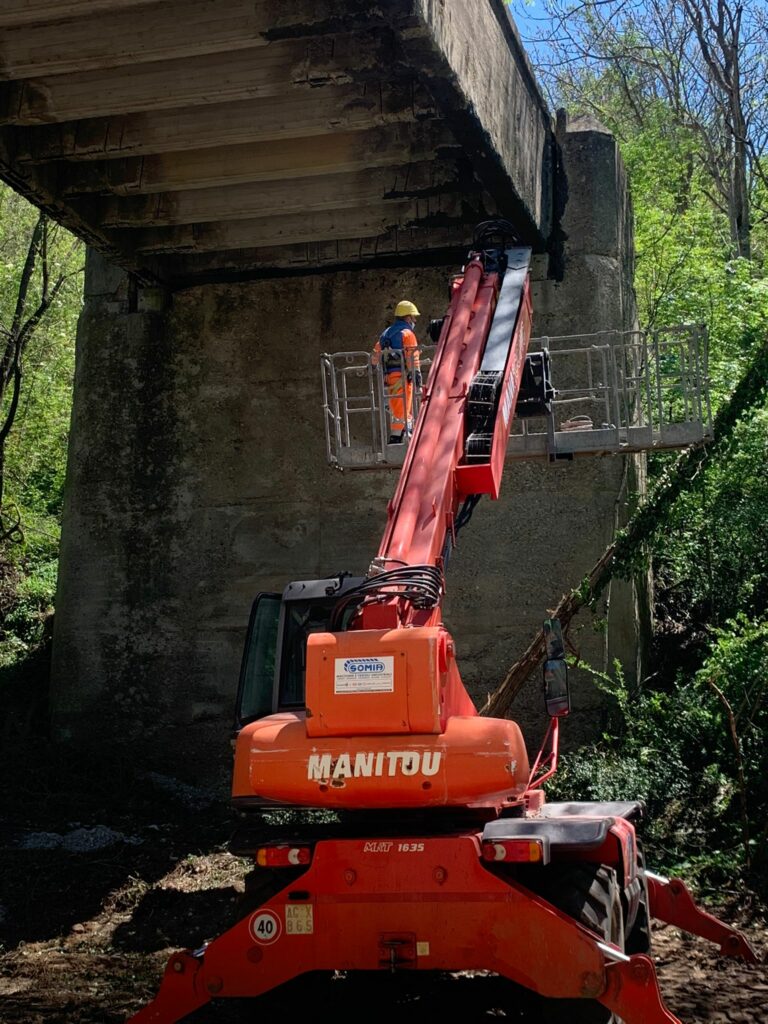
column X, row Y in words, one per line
column 749, row 393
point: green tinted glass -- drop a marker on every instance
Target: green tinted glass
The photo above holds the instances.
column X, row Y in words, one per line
column 259, row 669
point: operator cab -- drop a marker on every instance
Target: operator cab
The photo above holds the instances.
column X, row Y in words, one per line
column 273, row 671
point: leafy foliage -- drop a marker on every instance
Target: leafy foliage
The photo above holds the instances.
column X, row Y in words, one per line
column 684, row 270
column 713, row 565
column 690, row 741
column 35, row 450
column 702, row 60
column 703, row 783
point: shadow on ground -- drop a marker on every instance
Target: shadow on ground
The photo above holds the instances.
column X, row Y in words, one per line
column 168, row 917
column 44, row 893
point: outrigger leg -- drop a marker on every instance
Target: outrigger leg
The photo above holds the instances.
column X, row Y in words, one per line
column 628, row 986
column 182, row 991
column 671, row 902
column 497, row 925
column 633, row 992
column 552, row 955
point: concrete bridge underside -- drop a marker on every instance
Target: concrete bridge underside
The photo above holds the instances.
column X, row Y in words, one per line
column 196, row 139
column 259, row 182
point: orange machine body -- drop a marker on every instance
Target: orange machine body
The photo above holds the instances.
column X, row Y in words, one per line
column 475, row 761
column 388, row 723
column 383, row 681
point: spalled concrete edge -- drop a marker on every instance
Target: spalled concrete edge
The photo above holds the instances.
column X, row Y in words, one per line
column 41, row 194
column 494, row 108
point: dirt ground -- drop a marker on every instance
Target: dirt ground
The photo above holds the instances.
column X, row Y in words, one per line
column 88, row 919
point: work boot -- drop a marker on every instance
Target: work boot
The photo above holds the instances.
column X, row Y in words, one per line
column 395, row 439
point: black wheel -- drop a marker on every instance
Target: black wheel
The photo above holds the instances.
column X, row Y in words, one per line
column 590, row 894
column 260, row 885
column 638, row 938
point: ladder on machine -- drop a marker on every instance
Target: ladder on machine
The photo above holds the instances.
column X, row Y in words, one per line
column 615, row 392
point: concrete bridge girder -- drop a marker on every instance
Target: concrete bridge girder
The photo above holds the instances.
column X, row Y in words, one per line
column 181, row 138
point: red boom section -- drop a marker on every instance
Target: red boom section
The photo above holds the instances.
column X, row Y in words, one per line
column 485, row 477
column 425, row 503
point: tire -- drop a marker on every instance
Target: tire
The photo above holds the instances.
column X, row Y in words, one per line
column 589, row 894
column 260, row 885
column 639, row 936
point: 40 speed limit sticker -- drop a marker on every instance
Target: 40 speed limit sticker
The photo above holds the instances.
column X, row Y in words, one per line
column 265, row 927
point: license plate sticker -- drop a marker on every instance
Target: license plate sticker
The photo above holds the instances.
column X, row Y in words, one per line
column 299, row 919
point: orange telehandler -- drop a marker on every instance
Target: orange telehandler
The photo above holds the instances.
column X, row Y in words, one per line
column 437, row 850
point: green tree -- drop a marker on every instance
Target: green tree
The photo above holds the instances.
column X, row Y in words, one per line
column 683, row 88
column 40, row 283
column 40, row 300
column 704, row 59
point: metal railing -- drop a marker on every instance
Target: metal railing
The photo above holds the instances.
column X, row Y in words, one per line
column 628, row 391
column 358, row 396
column 616, row 392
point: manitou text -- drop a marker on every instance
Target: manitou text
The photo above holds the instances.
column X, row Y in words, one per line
column 367, row 764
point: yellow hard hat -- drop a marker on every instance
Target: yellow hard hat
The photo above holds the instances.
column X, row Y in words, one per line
column 406, row 308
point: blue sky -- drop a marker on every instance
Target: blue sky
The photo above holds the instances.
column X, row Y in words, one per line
column 527, row 17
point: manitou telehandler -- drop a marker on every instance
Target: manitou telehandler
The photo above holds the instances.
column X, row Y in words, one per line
column 437, row 850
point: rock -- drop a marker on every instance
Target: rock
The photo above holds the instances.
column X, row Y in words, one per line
column 83, row 840
column 40, row 841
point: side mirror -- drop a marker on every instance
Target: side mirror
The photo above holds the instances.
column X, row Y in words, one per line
column 557, row 696
column 435, row 327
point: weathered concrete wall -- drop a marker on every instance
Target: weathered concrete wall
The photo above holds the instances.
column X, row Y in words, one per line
column 197, row 478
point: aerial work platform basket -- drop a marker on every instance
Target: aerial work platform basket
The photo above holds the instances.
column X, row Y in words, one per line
column 614, row 393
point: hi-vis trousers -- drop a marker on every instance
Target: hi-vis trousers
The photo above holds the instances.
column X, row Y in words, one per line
column 399, row 394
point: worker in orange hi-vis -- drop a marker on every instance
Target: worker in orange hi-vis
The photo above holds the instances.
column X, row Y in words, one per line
column 397, row 353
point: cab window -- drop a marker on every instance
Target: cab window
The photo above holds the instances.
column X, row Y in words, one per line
column 301, row 619
column 257, row 675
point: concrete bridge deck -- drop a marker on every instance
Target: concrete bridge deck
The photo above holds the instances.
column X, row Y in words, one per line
column 196, row 139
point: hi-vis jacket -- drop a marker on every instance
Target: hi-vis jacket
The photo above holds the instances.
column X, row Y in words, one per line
column 397, row 348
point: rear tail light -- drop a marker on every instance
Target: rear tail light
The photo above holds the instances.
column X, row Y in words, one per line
column 283, row 856
column 516, row 851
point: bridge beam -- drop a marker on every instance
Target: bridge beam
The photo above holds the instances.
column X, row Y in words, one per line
column 129, row 33
column 105, row 102
column 334, row 108
column 278, row 160
column 26, row 12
